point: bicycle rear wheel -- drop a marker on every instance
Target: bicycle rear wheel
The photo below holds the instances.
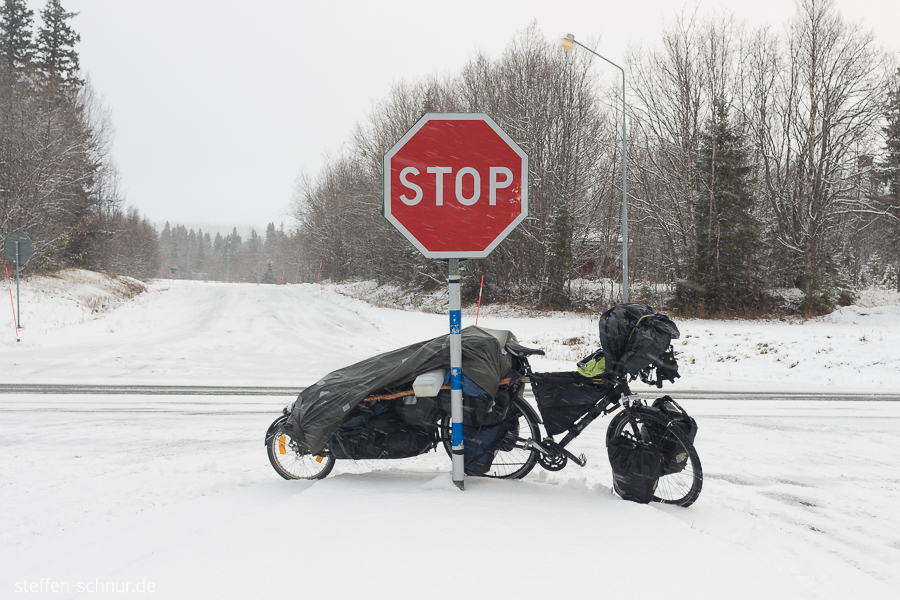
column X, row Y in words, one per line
column 512, row 459
column 682, row 485
column 292, row 463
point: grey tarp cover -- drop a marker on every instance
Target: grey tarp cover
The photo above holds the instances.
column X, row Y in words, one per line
column 321, row 408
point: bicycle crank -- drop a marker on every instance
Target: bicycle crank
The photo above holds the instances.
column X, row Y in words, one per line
column 554, row 457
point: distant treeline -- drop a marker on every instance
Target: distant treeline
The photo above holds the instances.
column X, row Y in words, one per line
column 58, row 182
column 189, row 254
column 758, row 159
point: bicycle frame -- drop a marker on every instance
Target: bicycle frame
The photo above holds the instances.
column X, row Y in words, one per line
column 610, row 402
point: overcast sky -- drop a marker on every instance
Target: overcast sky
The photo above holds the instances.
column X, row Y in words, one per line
column 219, row 106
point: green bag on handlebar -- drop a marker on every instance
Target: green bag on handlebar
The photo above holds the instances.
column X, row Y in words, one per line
column 592, row 366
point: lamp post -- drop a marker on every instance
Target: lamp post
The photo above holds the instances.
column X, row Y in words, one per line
column 568, row 43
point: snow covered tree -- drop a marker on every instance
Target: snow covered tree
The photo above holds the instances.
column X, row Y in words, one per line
column 890, row 169
column 559, row 257
column 16, row 41
column 727, row 233
column 269, row 275
column 56, row 53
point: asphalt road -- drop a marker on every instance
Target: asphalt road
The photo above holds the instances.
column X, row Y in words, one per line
column 153, row 390
column 184, row 390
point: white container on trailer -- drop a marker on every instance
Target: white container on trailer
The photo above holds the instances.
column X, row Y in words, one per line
column 428, row 385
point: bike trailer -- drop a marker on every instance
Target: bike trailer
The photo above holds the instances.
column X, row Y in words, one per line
column 321, row 409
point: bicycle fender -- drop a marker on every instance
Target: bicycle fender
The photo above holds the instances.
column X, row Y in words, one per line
column 526, row 408
column 273, row 428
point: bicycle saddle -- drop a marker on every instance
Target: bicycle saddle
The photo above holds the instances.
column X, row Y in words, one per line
column 520, row 350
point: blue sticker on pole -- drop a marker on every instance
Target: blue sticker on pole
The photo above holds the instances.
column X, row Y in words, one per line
column 455, row 322
column 457, row 435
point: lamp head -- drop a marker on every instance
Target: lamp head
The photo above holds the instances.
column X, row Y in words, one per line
column 568, row 42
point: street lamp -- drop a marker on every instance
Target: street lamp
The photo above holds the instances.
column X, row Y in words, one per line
column 568, row 43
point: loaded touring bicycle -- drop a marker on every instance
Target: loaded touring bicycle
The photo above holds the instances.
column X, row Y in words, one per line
column 397, row 405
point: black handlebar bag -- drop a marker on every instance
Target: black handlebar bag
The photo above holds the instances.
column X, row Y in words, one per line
column 633, row 337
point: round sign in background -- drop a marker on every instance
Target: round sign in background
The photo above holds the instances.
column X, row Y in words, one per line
column 26, row 250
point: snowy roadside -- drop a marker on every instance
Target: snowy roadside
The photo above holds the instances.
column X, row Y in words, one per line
column 855, row 349
column 83, row 328
column 69, row 297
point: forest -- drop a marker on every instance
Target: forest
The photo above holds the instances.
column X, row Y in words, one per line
column 759, row 159
column 58, row 181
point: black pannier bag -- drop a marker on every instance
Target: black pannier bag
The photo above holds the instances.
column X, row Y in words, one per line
column 674, row 456
column 636, row 468
column 418, row 411
column 478, row 411
column 481, row 445
column 563, row 398
column 385, row 435
column 633, row 337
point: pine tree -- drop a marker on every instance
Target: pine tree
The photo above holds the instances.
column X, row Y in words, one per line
column 728, row 244
column 200, row 259
column 558, row 257
column 891, row 166
column 271, row 239
column 269, row 276
column 16, row 43
column 56, row 53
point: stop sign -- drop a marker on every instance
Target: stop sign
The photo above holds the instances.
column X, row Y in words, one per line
column 455, row 185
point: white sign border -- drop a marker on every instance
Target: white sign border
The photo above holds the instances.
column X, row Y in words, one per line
column 453, row 117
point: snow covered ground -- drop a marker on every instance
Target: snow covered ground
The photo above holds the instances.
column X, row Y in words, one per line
column 799, row 501
column 197, row 333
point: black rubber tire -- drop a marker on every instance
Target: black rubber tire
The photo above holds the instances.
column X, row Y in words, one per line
column 680, row 489
column 292, row 464
column 515, row 463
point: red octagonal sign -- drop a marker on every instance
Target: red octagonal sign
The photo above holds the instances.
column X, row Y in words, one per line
column 455, row 185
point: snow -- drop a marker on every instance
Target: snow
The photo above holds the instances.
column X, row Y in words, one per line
column 198, row 333
column 799, row 501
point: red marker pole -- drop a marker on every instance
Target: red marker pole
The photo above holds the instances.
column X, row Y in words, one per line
column 192, row 273
column 478, row 310
column 167, row 269
column 319, row 278
column 11, row 303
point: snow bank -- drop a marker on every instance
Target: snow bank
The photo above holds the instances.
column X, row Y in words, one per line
column 71, row 296
column 199, row 333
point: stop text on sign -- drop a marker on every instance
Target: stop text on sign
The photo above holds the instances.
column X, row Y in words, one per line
column 455, row 185
column 474, row 187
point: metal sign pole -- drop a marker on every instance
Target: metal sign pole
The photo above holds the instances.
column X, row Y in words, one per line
column 18, row 304
column 456, row 401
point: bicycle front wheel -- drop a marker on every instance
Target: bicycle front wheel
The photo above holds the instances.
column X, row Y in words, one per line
column 682, row 481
